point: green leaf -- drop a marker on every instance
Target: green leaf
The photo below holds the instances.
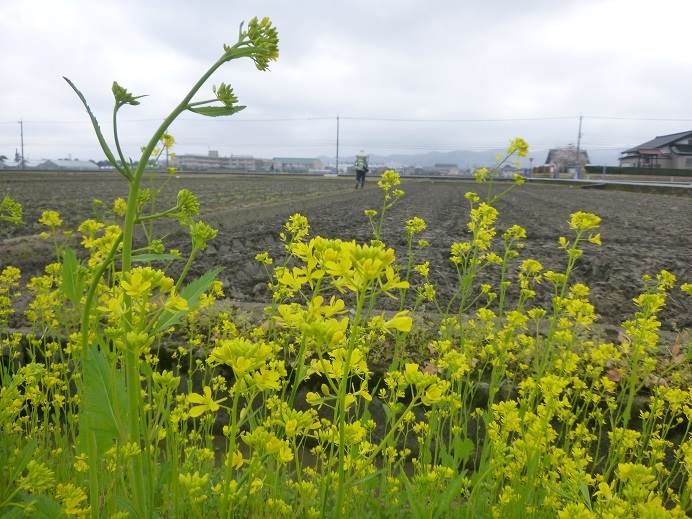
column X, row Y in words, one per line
column 414, row 500
column 123, row 97
column 71, row 279
column 586, row 495
column 444, row 501
column 149, row 258
column 42, row 507
column 103, row 400
column 97, row 129
column 463, row 448
column 191, row 293
column 23, row 460
column 216, row 111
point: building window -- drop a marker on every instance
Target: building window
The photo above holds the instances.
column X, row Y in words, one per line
column 688, row 163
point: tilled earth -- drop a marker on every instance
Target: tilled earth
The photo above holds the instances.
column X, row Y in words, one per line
column 641, row 232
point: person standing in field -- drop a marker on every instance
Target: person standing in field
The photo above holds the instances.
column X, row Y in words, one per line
column 361, row 168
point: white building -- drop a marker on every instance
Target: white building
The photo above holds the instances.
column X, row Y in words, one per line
column 192, row 162
column 296, row 164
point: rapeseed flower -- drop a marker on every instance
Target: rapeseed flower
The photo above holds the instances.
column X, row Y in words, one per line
column 203, row 403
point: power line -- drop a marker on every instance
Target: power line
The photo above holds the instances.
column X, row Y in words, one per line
column 85, row 121
column 626, row 118
column 183, row 119
column 478, row 120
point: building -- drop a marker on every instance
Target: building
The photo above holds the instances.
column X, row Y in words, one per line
column 53, row 164
column 296, row 164
column 239, row 162
column 508, row 171
column 264, row 165
column 70, row 164
column 665, row 151
column 566, row 158
column 191, row 162
column 446, row 169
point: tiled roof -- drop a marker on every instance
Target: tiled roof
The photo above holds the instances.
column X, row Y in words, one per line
column 660, row 141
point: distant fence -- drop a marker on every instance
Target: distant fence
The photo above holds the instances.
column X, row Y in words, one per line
column 639, row 172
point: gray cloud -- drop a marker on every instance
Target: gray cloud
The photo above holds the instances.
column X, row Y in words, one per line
column 385, row 59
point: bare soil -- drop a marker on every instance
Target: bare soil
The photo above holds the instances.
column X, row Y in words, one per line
column 641, row 232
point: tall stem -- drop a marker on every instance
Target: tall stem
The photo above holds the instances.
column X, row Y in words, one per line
column 341, row 401
column 92, row 452
column 132, row 369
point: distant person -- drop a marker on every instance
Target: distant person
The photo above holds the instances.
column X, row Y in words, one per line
column 361, row 168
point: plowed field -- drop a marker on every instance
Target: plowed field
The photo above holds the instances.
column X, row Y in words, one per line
column 641, row 232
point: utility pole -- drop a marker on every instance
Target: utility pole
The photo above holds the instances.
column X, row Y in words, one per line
column 578, row 174
column 530, row 167
column 337, row 144
column 21, row 135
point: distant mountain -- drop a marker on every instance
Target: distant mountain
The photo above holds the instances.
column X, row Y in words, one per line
column 467, row 159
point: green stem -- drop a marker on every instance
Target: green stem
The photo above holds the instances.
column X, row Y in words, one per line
column 341, row 403
column 186, row 269
column 162, row 214
column 132, row 369
column 94, row 486
column 126, row 168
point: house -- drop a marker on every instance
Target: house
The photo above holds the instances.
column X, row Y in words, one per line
column 508, row 170
column 446, row 169
column 566, row 157
column 665, row 151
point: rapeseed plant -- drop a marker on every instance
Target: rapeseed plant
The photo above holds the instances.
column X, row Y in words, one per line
column 519, row 410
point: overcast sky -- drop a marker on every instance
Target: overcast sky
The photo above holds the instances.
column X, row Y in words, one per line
column 426, row 61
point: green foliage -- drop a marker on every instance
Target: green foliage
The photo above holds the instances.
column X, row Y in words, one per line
column 10, row 211
column 72, row 282
column 181, row 410
column 123, row 97
column 192, row 294
column 217, row 111
column 104, row 410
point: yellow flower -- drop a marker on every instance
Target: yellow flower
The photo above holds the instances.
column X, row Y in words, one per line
column 472, row 197
column 176, row 303
column 10, row 210
column 582, row 221
column 518, row 146
column 203, row 403
column 390, row 178
column 595, row 239
column 435, row 393
column 71, row 498
column 415, row 225
column 135, row 284
column 236, row 460
column 401, row 322
column 50, row 219
column 264, row 258
column 423, row 269
column 167, row 140
column 481, row 175
column 120, row 206
column 298, row 226
column 38, row 479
